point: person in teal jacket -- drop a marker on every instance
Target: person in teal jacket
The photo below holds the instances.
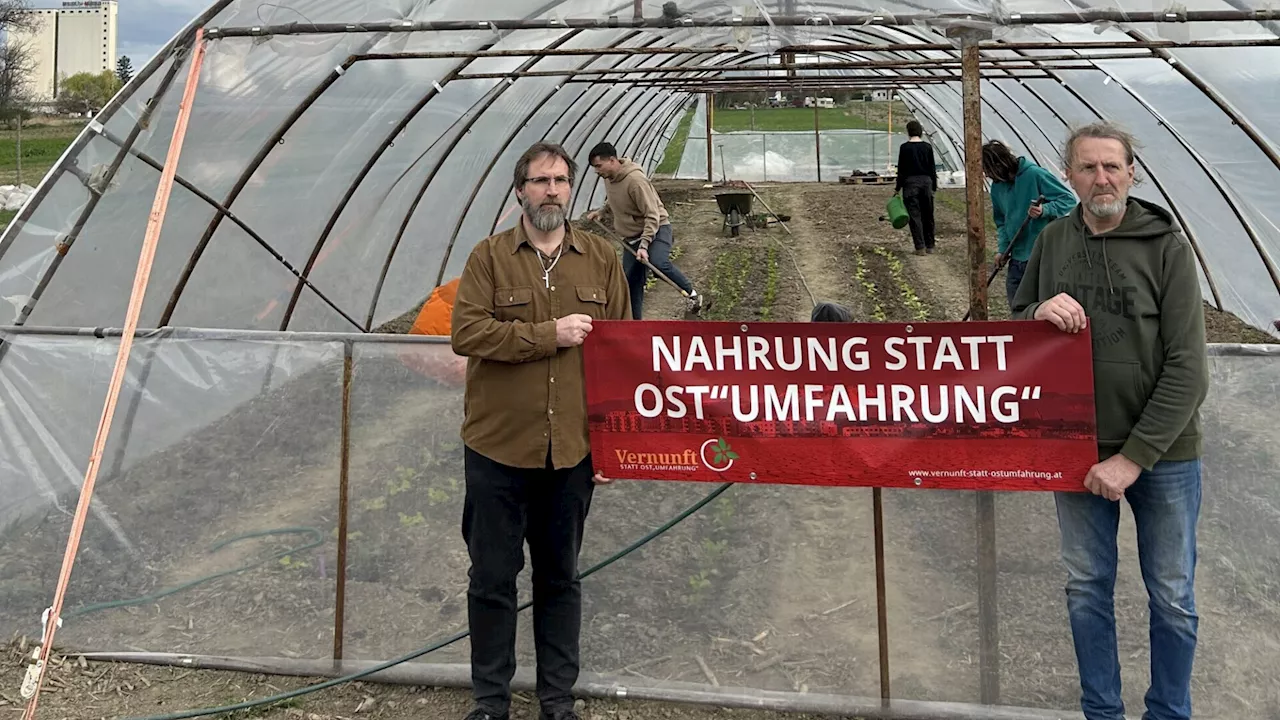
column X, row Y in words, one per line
column 1016, row 182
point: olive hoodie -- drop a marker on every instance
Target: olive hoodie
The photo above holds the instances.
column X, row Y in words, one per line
column 637, row 210
column 1140, row 290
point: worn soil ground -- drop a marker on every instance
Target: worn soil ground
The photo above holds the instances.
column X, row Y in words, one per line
column 767, row 587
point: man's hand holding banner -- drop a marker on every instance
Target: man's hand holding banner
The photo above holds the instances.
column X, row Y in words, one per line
column 972, row 405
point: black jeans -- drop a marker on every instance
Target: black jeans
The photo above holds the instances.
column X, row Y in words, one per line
column 504, row 507
column 917, row 195
column 660, row 257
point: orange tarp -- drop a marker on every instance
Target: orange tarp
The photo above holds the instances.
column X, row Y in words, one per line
column 437, row 362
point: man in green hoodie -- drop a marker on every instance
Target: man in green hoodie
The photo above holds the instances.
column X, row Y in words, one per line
column 1119, row 268
column 1016, row 183
column 641, row 218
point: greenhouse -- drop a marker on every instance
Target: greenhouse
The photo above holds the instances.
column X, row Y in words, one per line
column 281, row 482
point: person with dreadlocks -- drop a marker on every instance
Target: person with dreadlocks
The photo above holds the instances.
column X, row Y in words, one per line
column 1016, row 183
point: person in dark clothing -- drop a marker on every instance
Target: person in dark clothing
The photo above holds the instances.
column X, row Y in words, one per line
column 918, row 181
column 831, row 312
column 527, row 453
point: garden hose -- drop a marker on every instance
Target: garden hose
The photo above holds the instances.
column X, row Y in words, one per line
column 249, row 704
column 317, row 540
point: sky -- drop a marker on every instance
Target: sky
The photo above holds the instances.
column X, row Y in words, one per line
column 144, row 26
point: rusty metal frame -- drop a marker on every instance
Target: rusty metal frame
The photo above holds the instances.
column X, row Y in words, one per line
column 444, row 261
column 354, row 185
column 276, row 138
column 1155, row 180
column 528, row 117
column 1082, row 17
column 922, row 63
column 484, row 105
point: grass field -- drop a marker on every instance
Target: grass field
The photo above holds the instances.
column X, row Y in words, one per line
column 43, row 142
column 675, row 149
column 872, row 115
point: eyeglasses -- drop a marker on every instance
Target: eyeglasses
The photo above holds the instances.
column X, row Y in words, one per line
column 543, row 180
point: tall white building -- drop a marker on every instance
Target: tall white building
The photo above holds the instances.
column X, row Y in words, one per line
column 77, row 36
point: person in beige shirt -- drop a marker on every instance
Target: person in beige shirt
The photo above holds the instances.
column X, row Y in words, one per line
column 640, row 217
column 525, row 305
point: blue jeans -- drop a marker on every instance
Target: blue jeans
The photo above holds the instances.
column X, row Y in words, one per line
column 659, row 257
column 1013, row 273
column 1166, row 506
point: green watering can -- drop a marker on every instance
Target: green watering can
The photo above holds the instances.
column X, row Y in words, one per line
column 897, row 211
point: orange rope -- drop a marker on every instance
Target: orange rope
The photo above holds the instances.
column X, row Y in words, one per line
column 52, row 616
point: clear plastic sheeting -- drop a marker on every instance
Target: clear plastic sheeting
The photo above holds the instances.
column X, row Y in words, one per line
column 402, row 165
column 791, row 156
column 225, row 511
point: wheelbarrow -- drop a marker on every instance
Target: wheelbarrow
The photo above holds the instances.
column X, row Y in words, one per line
column 735, row 205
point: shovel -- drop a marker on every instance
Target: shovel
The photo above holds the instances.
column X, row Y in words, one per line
column 609, row 233
column 1035, row 203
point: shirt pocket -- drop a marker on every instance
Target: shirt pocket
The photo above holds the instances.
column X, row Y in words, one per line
column 592, row 300
column 513, row 303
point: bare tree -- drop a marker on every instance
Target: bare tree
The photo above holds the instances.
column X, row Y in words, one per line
column 17, row 63
column 16, row 67
column 16, row 15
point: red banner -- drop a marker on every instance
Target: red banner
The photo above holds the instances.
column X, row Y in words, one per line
column 972, row 405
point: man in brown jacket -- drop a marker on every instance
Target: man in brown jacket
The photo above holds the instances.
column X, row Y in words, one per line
column 640, row 217
column 525, row 304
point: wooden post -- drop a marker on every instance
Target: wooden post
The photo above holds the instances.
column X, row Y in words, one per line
column 711, row 113
column 988, row 616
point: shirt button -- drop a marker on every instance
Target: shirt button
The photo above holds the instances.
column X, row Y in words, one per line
column 553, row 379
column 553, row 287
column 550, row 411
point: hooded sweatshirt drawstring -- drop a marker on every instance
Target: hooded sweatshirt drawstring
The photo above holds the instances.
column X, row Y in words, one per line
column 1084, row 236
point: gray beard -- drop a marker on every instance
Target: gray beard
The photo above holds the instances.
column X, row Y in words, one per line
column 1106, row 210
column 545, row 218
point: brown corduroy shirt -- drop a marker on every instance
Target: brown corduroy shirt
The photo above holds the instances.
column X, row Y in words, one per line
column 524, row 393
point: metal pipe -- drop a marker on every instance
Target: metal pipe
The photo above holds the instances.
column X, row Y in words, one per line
column 484, row 105
column 95, row 193
column 497, row 215
column 1173, row 207
column 645, row 109
column 1080, row 17
column 817, row 140
column 533, row 110
column 344, row 496
column 263, row 151
column 1238, row 120
column 169, row 333
column 988, row 618
column 603, row 686
column 155, row 164
column 224, row 334
column 882, row 601
column 711, row 111
column 1063, row 45
column 354, row 185
column 550, row 52
column 172, row 50
column 925, row 62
